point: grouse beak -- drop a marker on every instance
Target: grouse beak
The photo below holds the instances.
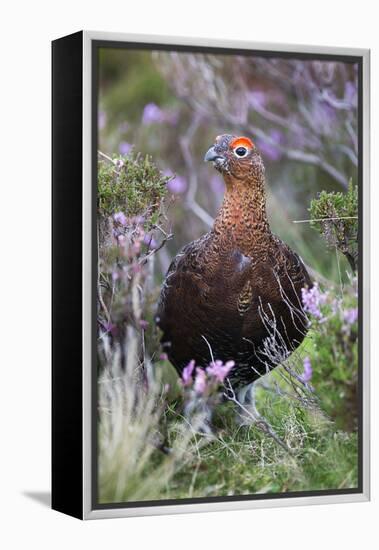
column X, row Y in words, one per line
column 211, row 155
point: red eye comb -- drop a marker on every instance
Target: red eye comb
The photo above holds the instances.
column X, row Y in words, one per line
column 242, row 142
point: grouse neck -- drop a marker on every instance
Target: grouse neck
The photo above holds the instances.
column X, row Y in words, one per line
column 243, row 213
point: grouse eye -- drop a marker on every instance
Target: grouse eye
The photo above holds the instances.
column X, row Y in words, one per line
column 241, row 152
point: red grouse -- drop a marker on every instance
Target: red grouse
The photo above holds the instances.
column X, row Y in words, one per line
column 236, row 291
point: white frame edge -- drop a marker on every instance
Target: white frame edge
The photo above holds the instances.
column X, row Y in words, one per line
column 88, row 512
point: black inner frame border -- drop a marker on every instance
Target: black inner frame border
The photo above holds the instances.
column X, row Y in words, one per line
column 96, row 45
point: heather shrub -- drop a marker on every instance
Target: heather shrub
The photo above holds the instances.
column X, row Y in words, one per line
column 332, row 348
column 132, row 227
column 334, row 311
column 133, row 461
column 335, row 216
column 130, row 183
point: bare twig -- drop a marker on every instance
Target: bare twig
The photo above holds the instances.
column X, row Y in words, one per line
column 256, row 417
column 326, row 219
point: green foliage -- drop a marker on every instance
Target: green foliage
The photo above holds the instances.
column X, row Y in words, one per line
column 332, row 346
column 131, row 228
column 243, row 460
column 131, row 184
column 335, row 216
column 238, row 460
column 130, row 419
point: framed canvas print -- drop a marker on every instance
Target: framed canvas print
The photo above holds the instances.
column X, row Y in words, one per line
column 210, row 275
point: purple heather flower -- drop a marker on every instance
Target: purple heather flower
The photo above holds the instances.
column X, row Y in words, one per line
column 163, row 357
column 306, row 375
column 219, row 370
column 150, row 241
column 120, row 217
column 143, row 324
column 351, row 315
column 121, row 239
column 187, row 373
column 152, row 114
column 125, row 147
column 271, row 149
column 177, row 185
column 200, row 384
column 110, row 327
column 276, row 136
column 136, row 247
column 313, row 299
column 257, row 98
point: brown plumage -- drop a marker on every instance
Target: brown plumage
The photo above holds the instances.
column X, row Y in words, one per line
column 237, row 289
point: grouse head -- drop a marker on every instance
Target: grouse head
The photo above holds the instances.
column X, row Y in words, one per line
column 235, row 157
